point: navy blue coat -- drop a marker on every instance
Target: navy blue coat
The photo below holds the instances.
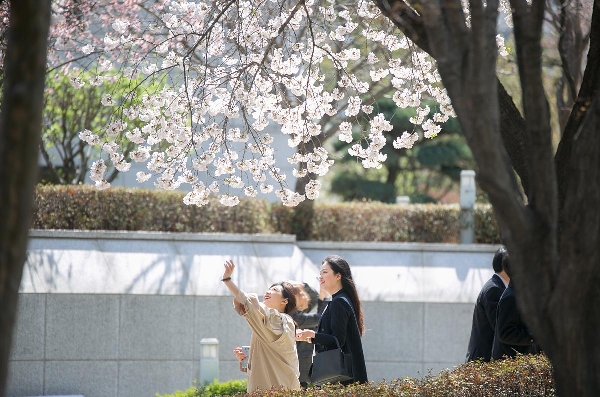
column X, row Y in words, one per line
column 484, row 320
column 338, row 320
column 512, row 335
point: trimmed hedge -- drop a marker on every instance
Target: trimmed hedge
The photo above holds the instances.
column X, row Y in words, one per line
column 84, row 207
column 215, row 389
column 529, row 376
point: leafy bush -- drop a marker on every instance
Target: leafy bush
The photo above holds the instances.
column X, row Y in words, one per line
column 84, row 207
column 376, row 221
column 229, row 388
column 529, row 376
column 191, row 392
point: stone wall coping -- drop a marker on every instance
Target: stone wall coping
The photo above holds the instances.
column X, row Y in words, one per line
column 162, row 236
column 397, row 246
column 271, row 238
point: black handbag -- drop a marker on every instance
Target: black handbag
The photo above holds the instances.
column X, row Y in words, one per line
column 331, row 366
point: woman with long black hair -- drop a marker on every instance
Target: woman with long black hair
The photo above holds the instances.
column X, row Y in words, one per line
column 343, row 318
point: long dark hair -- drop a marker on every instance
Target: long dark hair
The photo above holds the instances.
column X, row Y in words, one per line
column 288, row 291
column 340, row 266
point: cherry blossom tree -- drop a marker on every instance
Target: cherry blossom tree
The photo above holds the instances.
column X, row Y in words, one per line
column 264, row 63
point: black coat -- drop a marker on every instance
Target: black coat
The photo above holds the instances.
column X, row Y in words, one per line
column 305, row 350
column 338, row 320
column 484, row 320
column 512, row 335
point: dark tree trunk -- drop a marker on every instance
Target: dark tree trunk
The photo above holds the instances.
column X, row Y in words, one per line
column 20, row 126
column 574, row 307
column 553, row 236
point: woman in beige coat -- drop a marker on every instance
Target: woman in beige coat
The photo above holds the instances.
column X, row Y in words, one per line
column 273, row 360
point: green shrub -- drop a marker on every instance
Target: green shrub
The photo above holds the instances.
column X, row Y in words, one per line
column 376, row 221
column 229, row 388
column 191, row 392
column 529, row 376
column 84, row 207
column 486, row 227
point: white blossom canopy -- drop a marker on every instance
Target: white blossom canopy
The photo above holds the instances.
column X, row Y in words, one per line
column 228, row 69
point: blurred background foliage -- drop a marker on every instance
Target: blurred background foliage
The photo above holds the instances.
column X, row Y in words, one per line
column 427, row 173
column 70, row 109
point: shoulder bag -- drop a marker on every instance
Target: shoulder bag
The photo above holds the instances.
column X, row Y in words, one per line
column 331, row 366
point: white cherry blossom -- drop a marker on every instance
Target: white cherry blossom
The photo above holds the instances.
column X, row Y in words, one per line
column 226, row 73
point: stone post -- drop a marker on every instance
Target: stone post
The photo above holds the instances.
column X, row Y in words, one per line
column 467, row 203
column 209, row 360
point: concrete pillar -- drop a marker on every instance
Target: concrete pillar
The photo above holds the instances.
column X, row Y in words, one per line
column 209, row 360
column 402, row 200
column 467, row 203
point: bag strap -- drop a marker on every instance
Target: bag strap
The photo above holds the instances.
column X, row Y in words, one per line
column 351, row 308
column 337, row 342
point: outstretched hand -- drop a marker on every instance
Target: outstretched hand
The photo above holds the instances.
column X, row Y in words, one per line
column 305, row 335
column 229, row 266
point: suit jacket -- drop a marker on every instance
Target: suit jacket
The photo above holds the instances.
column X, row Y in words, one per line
column 307, row 321
column 512, row 335
column 338, row 320
column 305, row 350
column 484, row 320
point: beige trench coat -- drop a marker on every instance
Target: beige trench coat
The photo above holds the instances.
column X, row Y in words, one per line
column 273, row 358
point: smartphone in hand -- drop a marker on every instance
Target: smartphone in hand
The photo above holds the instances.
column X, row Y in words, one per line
column 246, row 351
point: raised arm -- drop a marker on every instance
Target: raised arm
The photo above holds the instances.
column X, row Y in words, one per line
column 229, row 267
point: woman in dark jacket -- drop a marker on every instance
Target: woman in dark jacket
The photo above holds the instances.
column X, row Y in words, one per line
column 343, row 317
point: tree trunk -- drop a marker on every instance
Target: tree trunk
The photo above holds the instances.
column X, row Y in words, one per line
column 20, row 126
column 575, row 348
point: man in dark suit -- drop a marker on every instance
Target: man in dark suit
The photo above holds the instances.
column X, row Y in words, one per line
column 306, row 299
column 512, row 335
column 484, row 314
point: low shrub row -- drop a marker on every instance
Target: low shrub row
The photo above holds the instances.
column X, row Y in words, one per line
column 215, row 389
column 84, row 207
column 529, row 376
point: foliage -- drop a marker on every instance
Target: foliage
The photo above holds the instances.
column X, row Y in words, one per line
column 351, row 186
column 83, row 207
column 374, row 221
column 215, row 389
column 424, row 172
column 190, row 392
column 529, row 376
column 73, row 104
